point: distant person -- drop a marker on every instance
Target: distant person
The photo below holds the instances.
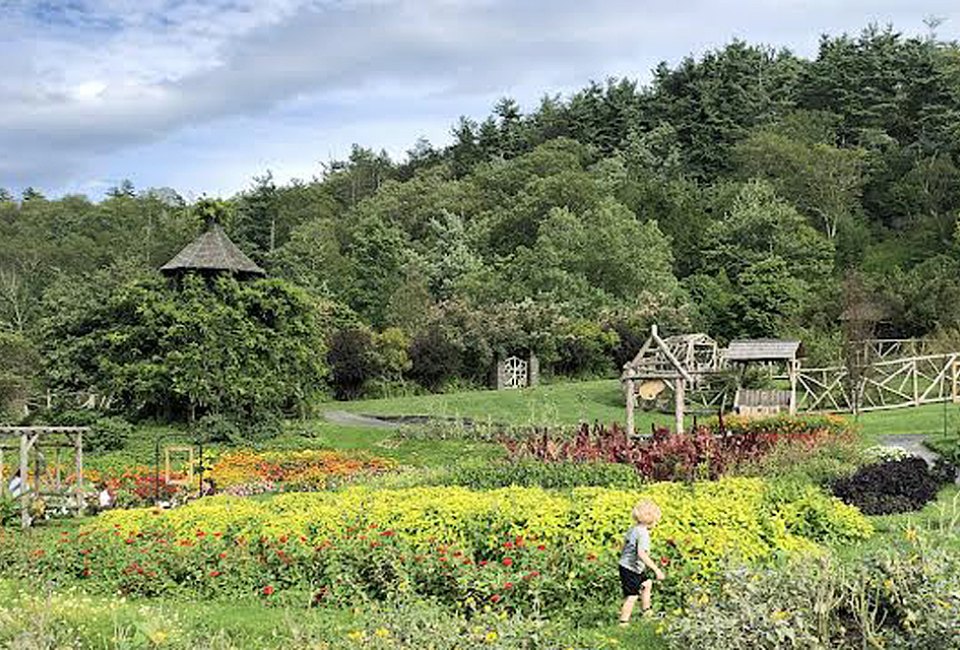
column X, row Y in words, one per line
column 16, row 485
column 208, row 487
column 105, row 499
column 637, row 569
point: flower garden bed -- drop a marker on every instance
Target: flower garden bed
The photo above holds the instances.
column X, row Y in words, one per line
column 244, row 472
column 520, row 548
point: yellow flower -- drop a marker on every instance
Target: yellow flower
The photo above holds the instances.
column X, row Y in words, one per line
column 911, row 534
column 382, row 632
column 780, row 615
column 356, row 635
column 491, row 636
column 157, row 637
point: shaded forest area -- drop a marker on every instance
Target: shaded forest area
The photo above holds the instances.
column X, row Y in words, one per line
column 746, row 193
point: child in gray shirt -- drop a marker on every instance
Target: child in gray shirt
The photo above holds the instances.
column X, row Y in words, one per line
column 637, row 569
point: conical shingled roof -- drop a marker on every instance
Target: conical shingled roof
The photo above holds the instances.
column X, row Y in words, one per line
column 212, row 251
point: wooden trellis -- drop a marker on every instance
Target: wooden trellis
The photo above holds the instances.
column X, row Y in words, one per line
column 890, row 384
column 32, row 444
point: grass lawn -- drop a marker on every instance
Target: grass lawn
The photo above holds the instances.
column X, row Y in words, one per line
column 601, row 400
column 60, row 616
column 930, row 419
column 546, row 405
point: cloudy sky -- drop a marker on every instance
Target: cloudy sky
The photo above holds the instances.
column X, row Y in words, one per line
column 201, row 95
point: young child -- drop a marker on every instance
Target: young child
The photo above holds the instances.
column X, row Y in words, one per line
column 637, row 569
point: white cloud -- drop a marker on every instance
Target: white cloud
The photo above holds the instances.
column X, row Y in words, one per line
column 95, row 84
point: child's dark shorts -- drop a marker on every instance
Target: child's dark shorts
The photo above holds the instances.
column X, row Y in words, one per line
column 632, row 582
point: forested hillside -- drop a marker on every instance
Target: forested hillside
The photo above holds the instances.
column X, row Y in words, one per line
column 749, row 192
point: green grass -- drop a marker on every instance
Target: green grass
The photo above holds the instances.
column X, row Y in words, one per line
column 942, row 515
column 563, row 403
column 52, row 617
column 930, row 419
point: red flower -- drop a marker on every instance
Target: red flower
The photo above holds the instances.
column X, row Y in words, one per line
column 664, row 561
column 129, row 540
column 507, row 561
column 495, row 598
column 218, row 534
column 518, row 541
column 508, row 545
column 86, row 573
column 283, row 539
column 387, row 533
column 214, row 574
column 507, row 586
column 541, row 548
column 200, row 533
column 223, row 556
column 591, row 557
column 483, row 563
column 268, row 590
column 532, row 575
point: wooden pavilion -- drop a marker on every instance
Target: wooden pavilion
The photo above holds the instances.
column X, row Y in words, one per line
column 688, row 362
column 212, row 252
column 768, row 352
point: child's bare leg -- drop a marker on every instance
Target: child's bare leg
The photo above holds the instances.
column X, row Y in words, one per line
column 626, row 610
column 645, row 595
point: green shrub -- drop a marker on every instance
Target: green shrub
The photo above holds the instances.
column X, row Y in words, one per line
column 906, row 597
column 107, row 433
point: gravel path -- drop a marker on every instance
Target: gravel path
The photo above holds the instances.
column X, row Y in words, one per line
column 354, row 420
column 912, row 443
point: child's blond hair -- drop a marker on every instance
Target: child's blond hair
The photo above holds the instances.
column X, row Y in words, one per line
column 646, row 512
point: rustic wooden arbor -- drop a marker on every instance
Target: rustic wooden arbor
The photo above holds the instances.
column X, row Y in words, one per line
column 678, row 362
column 30, row 443
column 687, row 362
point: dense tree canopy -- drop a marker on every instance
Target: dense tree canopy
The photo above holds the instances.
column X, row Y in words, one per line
column 730, row 195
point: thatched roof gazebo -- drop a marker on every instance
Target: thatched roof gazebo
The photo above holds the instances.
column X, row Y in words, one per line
column 212, row 252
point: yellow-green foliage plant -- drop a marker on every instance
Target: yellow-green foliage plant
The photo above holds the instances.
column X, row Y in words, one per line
column 705, row 526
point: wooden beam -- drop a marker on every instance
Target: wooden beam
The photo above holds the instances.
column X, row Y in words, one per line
column 24, row 483
column 631, row 391
column 669, row 355
column 78, row 483
column 678, row 392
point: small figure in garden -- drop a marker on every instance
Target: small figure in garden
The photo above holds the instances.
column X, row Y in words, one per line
column 104, row 498
column 208, row 487
column 637, row 569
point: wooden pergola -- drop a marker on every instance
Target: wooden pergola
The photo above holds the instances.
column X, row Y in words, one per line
column 30, row 443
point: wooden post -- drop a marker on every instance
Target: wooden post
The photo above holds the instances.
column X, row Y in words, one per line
column 56, row 469
column 78, row 443
column 916, row 387
column 955, row 394
column 3, row 476
column 24, row 483
column 36, row 469
column 794, row 372
column 631, row 391
column 679, row 399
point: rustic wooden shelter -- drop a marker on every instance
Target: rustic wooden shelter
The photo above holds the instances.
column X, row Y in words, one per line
column 753, row 402
column 31, row 446
column 212, row 252
column 677, row 362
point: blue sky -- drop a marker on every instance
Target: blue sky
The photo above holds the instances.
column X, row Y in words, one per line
column 201, row 95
